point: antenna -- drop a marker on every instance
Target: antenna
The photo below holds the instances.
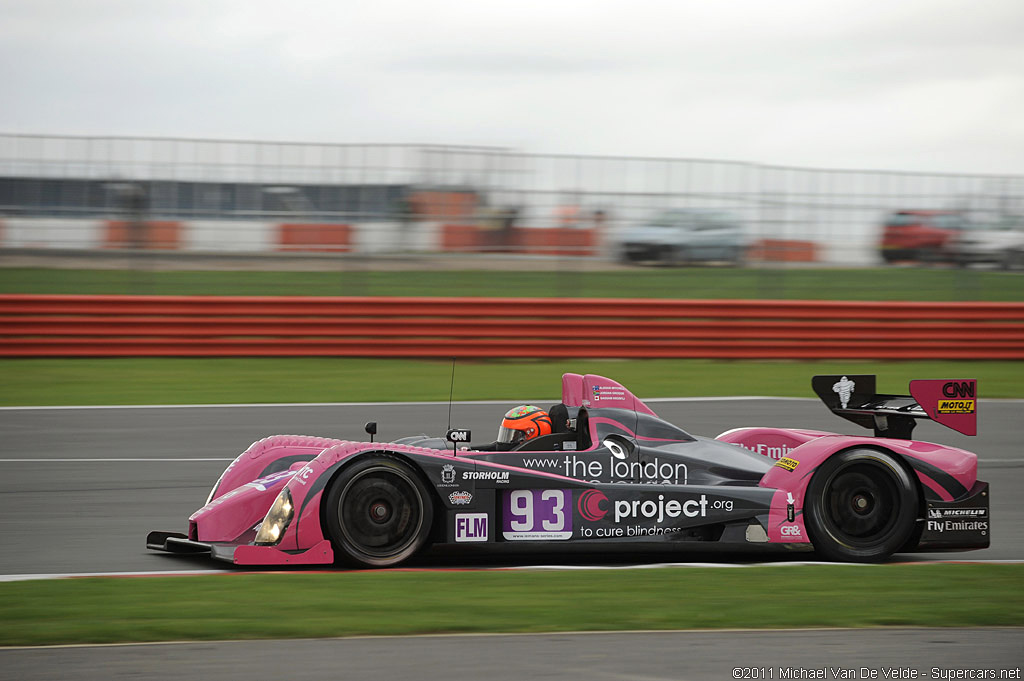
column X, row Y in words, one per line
column 451, row 393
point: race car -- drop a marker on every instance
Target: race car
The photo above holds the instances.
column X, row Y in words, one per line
column 609, row 475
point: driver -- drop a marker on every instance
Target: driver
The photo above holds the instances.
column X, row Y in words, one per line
column 520, row 424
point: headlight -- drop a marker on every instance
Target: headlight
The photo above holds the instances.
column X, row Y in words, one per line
column 277, row 520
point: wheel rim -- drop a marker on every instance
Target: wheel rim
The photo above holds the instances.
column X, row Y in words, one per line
column 861, row 504
column 381, row 512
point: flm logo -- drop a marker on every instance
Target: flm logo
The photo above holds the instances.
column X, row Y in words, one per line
column 593, row 505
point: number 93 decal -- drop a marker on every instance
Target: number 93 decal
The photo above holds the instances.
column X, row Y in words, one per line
column 537, row 514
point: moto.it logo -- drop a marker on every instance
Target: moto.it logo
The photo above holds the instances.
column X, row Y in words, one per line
column 593, row 505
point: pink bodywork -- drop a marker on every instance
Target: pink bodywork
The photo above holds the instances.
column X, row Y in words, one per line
column 304, row 540
column 810, row 448
column 597, row 391
column 251, row 499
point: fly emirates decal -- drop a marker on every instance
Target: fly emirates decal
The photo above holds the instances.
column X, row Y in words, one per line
column 772, row 452
column 598, row 468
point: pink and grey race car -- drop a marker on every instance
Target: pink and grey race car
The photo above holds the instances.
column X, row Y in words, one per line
column 610, row 475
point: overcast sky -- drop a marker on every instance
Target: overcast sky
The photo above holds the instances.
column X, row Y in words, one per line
column 931, row 85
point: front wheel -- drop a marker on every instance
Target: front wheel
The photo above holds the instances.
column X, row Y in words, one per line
column 861, row 506
column 378, row 513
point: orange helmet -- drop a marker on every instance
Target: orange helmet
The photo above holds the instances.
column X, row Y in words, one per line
column 524, row 423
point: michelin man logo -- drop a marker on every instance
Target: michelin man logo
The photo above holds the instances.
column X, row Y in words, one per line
column 844, row 387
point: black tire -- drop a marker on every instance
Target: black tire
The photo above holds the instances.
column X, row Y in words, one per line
column 378, row 513
column 861, row 506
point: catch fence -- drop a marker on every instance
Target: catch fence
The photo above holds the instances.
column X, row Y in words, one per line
column 233, row 196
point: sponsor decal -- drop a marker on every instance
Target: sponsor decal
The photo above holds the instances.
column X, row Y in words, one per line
column 787, row 464
column 459, row 435
column 471, row 527
column 594, row 468
column 460, row 498
column 955, row 407
column 772, row 452
column 844, row 388
column 500, row 477
column 958, row 389
column 791, row 531
column 643, row 517
column 660, row 510
column 939, row 513
column 592, row 505
column 448, row 473
column 272, row 480
column 537, row 514
column 958, row 526
column 302, row 477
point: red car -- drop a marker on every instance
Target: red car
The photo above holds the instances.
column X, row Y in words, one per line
column 919, row 234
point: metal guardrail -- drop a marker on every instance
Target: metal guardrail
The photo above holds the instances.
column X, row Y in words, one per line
column 107, row 326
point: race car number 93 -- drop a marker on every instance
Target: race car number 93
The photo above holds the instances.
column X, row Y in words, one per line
column 537, row 514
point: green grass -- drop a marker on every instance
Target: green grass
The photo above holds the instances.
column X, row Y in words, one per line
column 254, row 606
column 353, row 278
column 314, row 379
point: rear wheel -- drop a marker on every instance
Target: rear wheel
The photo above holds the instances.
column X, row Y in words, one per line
column 861, row 506
column 378, row 513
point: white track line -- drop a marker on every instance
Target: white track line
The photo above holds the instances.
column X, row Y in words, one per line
column 279, row 405
column 76, row 575
column 84, row 460
column 645, row 566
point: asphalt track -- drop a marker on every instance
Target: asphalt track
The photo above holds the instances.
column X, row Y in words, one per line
column 83, row 486
column 933, row 654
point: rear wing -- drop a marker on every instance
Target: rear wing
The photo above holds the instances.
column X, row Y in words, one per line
column 953, row 403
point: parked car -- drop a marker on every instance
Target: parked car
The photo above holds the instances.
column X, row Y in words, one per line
column 684, row 235
column 1000, row 242
column 922, row 235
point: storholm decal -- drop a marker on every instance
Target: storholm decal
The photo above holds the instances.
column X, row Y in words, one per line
column 497, row 476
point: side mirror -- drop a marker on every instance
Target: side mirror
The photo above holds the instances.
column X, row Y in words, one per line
column 371, row 429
